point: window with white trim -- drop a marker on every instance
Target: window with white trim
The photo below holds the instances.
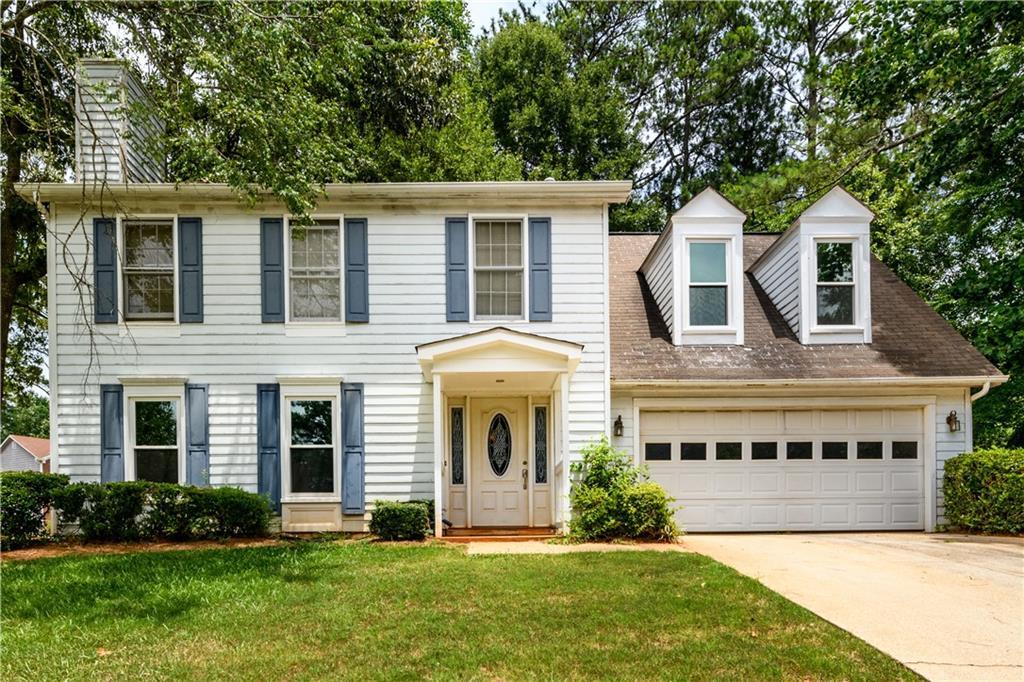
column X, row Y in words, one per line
column 311, row 445
column 154, row 439
column 498, row 269
column 708, row 286
column 314, row 273
column 148, row 272
column 835, row 283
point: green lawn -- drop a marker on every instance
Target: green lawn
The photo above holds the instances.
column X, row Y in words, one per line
column 358, row 610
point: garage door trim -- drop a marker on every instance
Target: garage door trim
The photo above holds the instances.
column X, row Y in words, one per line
column 699, row 404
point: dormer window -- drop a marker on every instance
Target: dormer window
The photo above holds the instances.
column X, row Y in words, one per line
column 836, row 288
column 708, row 284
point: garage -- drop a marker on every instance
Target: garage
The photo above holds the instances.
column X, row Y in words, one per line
column 789, row 469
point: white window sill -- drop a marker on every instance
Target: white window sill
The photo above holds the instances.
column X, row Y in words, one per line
column 143, row 329
column 314, row 329
column 499, row 320
column 313, row 499
column 837, row 329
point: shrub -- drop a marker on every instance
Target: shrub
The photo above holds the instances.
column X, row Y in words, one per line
column 400, row 520
column 24, row 498
column 612, row 499
column 236, row 513
column 984, row 491
column 112, row 511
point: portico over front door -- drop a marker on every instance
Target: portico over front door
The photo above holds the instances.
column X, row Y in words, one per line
column 500, row 475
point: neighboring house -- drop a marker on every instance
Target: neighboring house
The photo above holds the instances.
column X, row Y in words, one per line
column 25, row 453
column 464, row 341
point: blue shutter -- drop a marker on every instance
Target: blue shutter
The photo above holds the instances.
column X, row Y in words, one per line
column 353, row 450
column 268, row 443
column 540, row 269
column 105, row 269
column 272, row 268
column 190, row 269
column 456, row 247
column 197, row 429
column 111, row 433
column 357, row 286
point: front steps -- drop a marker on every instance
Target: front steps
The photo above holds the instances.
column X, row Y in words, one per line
column 498, row 534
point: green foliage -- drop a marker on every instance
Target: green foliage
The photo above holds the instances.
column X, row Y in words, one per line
column 400, row 520
column 612, row 499
column 984, row 491
column 25, row 414
column 127, row 511
column 24, row 498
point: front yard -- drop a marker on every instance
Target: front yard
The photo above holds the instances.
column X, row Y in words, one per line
column 359, row 610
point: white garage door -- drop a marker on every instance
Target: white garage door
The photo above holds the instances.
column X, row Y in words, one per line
column 748, row 470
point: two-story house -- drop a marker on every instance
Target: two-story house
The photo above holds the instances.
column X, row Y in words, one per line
column 463, row 341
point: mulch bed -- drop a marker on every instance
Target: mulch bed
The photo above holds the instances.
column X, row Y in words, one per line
column 73, row 547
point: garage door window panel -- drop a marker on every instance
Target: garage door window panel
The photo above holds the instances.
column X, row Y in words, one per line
column 658, row 452
column 728, row 451
column 835, row 450
column 871, row 449
column 768, row 450
column 708, row 288
column 904, row 449
column 693, row 452
column 800, row 450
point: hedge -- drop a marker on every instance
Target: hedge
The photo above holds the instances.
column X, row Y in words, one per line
column 401, row 520
column 126, row 511
column 984, row 491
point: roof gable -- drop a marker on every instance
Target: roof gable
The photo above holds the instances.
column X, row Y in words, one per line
column 709, row 204
column 838, row 203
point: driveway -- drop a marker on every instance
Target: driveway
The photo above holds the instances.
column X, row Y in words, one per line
column 950, row 607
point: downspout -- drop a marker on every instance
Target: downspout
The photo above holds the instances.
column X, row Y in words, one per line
column 983, row 392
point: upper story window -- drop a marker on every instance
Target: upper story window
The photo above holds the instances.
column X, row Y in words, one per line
column 708, row 284
column 835, row 283
column 154, row 439
column 314, row 274
column 498, row 269
column 148, row 269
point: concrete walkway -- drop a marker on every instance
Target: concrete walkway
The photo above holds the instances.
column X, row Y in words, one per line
column 950, row 607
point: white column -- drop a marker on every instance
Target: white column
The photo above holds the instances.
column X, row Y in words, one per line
column 563, row 389
column 438, row 454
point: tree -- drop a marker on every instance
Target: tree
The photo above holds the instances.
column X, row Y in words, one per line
column 946, row 81
column 277, row 96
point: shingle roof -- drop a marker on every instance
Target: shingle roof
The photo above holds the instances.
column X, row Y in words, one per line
column 39, row 447
column 909, row 339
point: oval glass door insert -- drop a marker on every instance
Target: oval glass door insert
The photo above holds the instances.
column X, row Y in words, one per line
column 499, row 445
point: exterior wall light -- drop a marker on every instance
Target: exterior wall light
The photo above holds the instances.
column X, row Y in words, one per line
column 617, row 427
column 953, row 421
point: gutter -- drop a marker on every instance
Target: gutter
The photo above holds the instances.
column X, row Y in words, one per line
column 969, row 381
column 597, row 191
column 983, row 392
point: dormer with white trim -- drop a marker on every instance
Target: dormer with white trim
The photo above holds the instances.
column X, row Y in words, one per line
column 695, row 272
column 818, row 273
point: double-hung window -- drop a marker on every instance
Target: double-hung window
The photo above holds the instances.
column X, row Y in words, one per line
column 155, row 439
column 708, row 283
column 835, row 283
column 315, row 271
column 498, row 269
column 148, row 269
column 311, row 439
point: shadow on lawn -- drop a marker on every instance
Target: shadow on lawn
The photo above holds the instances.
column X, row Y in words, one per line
column 157, row 586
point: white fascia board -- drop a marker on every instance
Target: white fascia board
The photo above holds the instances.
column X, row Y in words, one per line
column 953, row 381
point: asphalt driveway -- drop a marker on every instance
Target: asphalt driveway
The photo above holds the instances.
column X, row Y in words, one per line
column 950, row 607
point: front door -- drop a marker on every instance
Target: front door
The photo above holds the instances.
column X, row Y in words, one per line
column 499, row 458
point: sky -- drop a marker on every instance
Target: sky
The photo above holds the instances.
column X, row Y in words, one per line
column 482, row 11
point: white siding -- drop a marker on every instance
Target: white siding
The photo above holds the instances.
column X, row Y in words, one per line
column 232, row 350
column 16, row 458
column 779, row 276
column 948, row 445
column 657, row 271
